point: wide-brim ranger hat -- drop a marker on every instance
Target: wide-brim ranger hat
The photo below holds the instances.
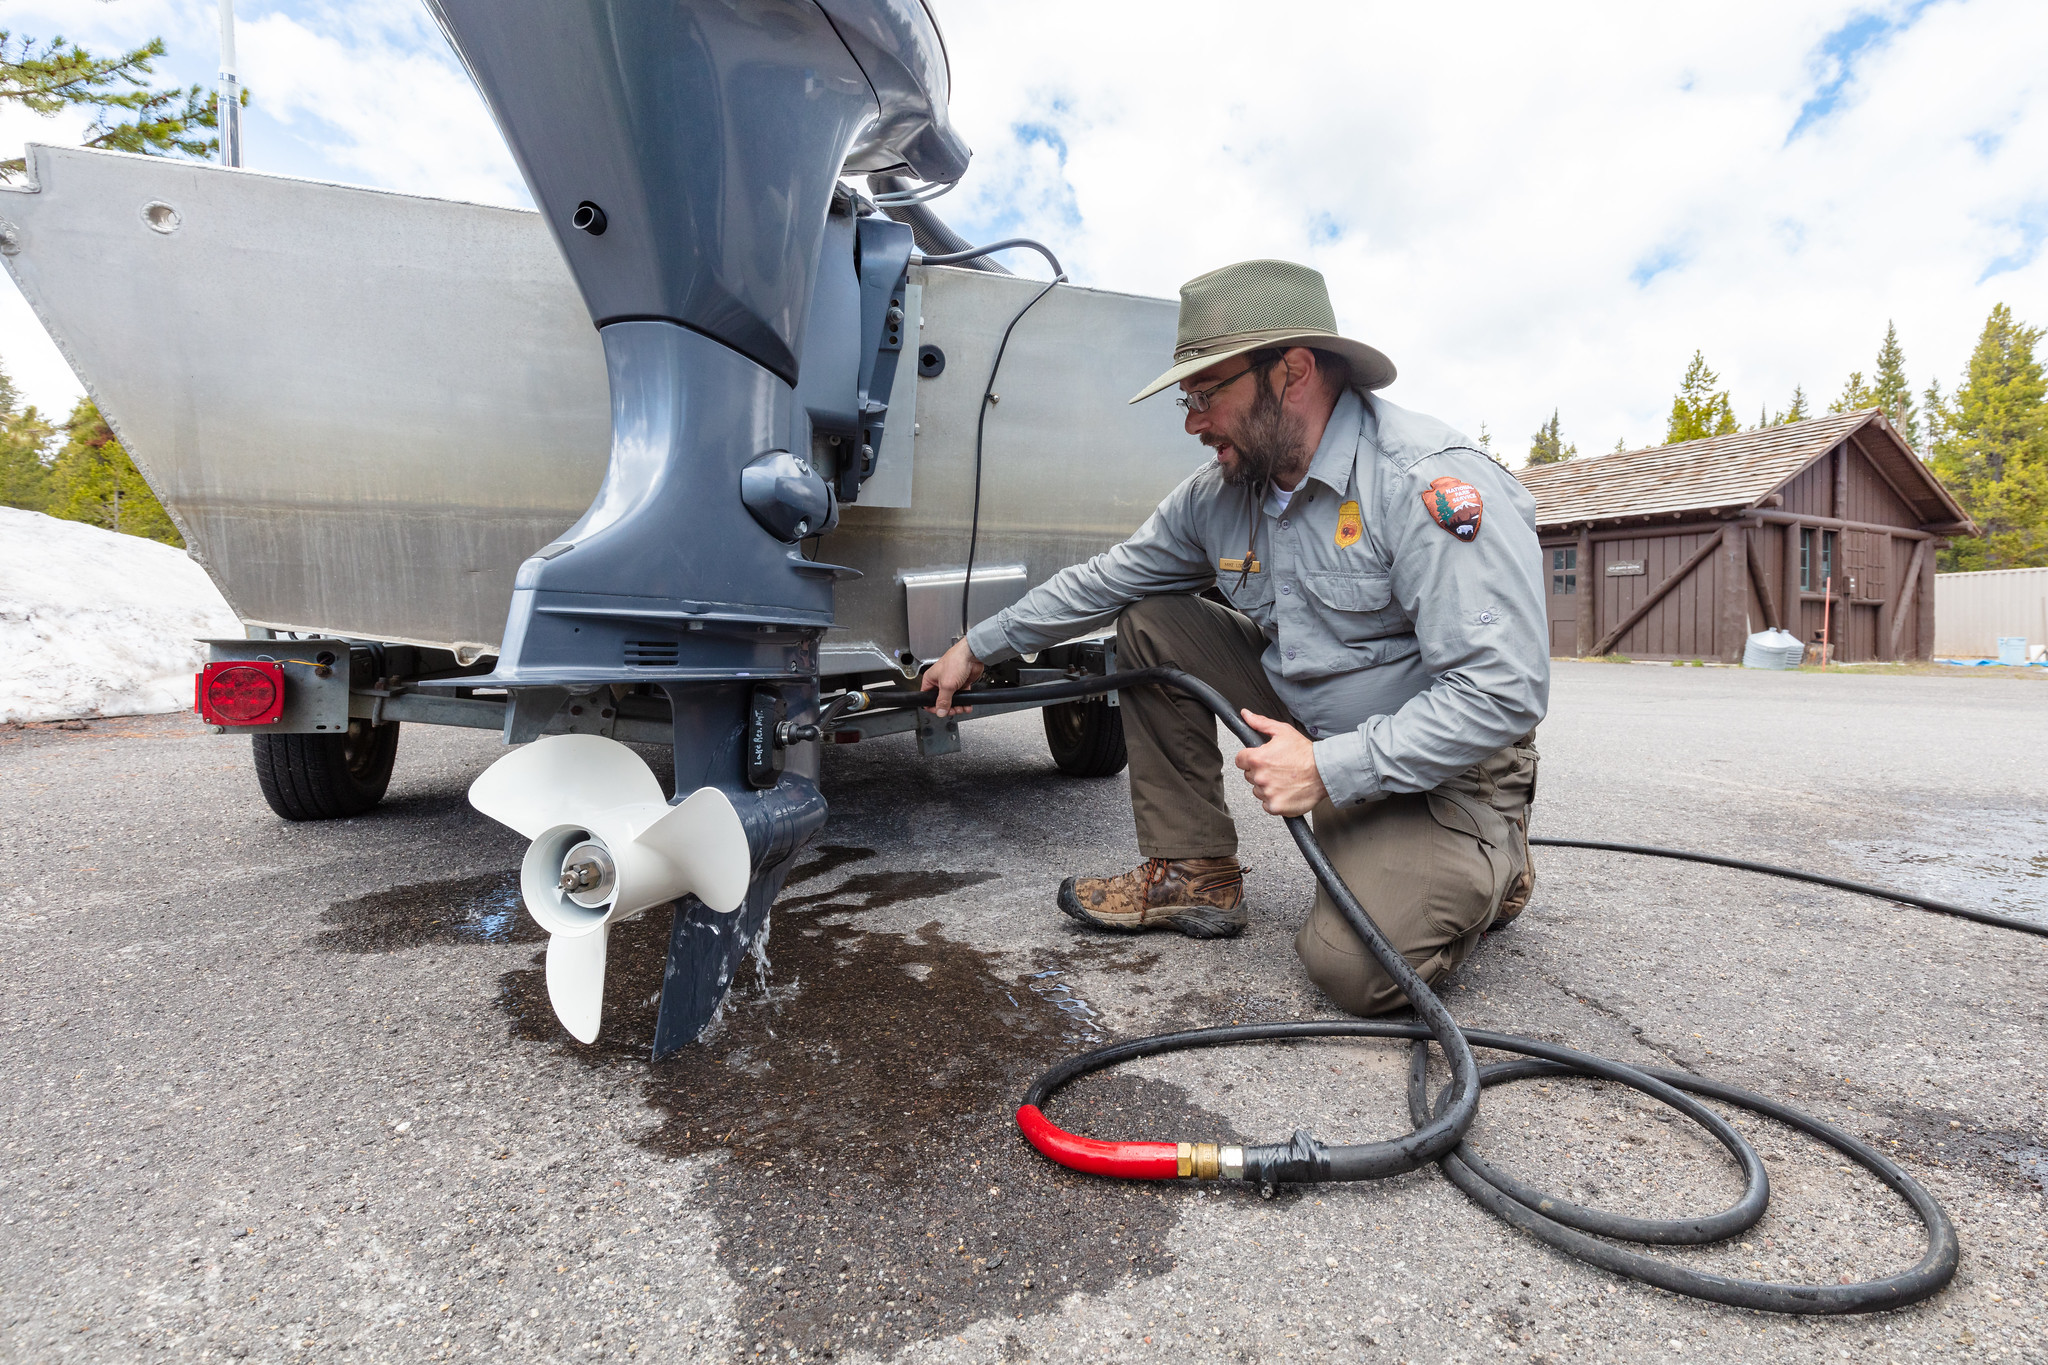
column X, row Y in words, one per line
column 1254, row 305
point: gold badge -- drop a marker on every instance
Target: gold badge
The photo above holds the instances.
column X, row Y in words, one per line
column 1350, row 525
column 1238, row 565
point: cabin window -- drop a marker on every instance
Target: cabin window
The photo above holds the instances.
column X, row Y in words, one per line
column 1564, row 578
column 1816, row 562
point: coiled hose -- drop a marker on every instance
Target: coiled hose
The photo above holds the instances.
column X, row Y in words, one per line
column 1440, row 1125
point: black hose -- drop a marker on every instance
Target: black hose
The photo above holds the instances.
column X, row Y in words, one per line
column 2025, row 926
column 1439, row 1127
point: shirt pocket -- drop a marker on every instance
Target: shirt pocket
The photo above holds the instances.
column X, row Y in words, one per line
column 1349, row 612
column 1349, row 591
column 1254, row 599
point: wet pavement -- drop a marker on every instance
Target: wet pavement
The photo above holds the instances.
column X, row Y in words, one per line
column 294, row 1092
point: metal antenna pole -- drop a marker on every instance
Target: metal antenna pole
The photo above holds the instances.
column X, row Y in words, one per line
column 230, row 115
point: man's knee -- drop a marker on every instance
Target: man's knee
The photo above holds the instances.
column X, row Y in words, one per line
column 1145, row 628
column 1337, row 961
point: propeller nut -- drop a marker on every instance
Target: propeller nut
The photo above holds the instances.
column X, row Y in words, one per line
column 589, row 875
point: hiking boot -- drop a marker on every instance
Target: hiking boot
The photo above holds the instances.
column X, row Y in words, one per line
column 1200, row 897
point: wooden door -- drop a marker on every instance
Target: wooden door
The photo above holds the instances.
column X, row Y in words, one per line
column 1564, row 578
column 1859, row 633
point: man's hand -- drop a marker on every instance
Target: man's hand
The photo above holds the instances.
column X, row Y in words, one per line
column 1282, row 771
column 956, row 670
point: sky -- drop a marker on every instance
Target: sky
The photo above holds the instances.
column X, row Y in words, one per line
column 1530, row 208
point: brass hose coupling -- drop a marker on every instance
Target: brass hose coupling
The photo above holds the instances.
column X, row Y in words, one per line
column 1208, row 1161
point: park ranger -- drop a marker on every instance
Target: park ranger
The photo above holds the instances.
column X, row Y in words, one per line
column 1386, row 629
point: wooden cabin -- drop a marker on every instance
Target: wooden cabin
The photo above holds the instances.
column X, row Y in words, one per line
column 1681, row 551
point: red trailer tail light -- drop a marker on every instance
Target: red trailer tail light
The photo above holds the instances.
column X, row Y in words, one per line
column 241, row 692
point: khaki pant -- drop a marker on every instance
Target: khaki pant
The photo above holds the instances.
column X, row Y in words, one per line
column 1432, row 869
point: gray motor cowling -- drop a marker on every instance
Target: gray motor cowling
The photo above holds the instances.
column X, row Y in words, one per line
column 686, row 155
column 708, row 139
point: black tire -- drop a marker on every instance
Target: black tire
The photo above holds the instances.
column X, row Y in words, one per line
column 326, row 777
column 1086, row 737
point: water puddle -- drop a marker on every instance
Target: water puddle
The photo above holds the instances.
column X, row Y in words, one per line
column 1084, row 1023
column 1988, row 859
column 864, row 891
column 2033, row 1161
column 874, row 1191
column 480, row 909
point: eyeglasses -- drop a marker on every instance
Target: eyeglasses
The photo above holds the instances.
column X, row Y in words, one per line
column 1197, row 400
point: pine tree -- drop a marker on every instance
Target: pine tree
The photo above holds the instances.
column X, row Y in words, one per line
column 128, row 116
column 1935, row 407
column 24, row 443
column 1993, row 452
column 1889, row 388
column 1547, row 445
column 1796, row 413
column 94, row 481
column 1855, row 397
column 1699, row 409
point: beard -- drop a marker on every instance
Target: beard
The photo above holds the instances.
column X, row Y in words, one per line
column 1267, row 439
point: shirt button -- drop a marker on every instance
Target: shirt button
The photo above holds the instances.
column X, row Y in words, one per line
column 1485, row 618
column 1287, row 589
column 1290, row 651
column 1284, row 523
column 1314, row 732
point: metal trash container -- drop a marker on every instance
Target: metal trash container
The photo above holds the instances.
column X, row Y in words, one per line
column 1773, row 649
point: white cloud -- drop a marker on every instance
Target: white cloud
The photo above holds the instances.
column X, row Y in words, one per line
column 1527, row 206
column 1531, row 206
column 365, row 93
column 374, row 89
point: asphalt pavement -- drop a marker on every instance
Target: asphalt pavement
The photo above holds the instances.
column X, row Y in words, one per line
column 286, row 1092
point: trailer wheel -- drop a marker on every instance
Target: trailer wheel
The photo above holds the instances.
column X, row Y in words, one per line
column 1086, row 737
column 326, row 777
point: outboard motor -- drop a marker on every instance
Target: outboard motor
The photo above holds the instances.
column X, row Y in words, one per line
column 687, row 156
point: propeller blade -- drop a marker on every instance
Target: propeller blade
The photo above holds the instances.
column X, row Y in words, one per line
column 576, row 981
column 704, row 839
column 562, row 780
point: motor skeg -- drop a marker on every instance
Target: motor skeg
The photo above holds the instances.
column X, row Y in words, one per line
column 591, row 805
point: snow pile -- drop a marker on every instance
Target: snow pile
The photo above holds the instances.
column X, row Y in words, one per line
column 98, row 624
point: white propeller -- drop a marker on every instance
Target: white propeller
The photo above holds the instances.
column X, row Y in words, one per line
column 606, row 846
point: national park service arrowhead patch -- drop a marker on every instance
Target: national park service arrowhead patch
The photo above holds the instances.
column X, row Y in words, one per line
column 1456, row 506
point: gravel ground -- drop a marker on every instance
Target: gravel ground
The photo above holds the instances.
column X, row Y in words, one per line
column 286, row 1093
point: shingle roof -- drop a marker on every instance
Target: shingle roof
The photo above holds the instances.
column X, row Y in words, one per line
column 1723, row 472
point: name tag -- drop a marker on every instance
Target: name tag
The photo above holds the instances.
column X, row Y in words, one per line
column 1238, row 565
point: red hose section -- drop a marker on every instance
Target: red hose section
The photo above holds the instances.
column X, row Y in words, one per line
column 1125, row 1160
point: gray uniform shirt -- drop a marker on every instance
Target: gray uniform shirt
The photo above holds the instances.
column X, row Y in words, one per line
column 1409, row 639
